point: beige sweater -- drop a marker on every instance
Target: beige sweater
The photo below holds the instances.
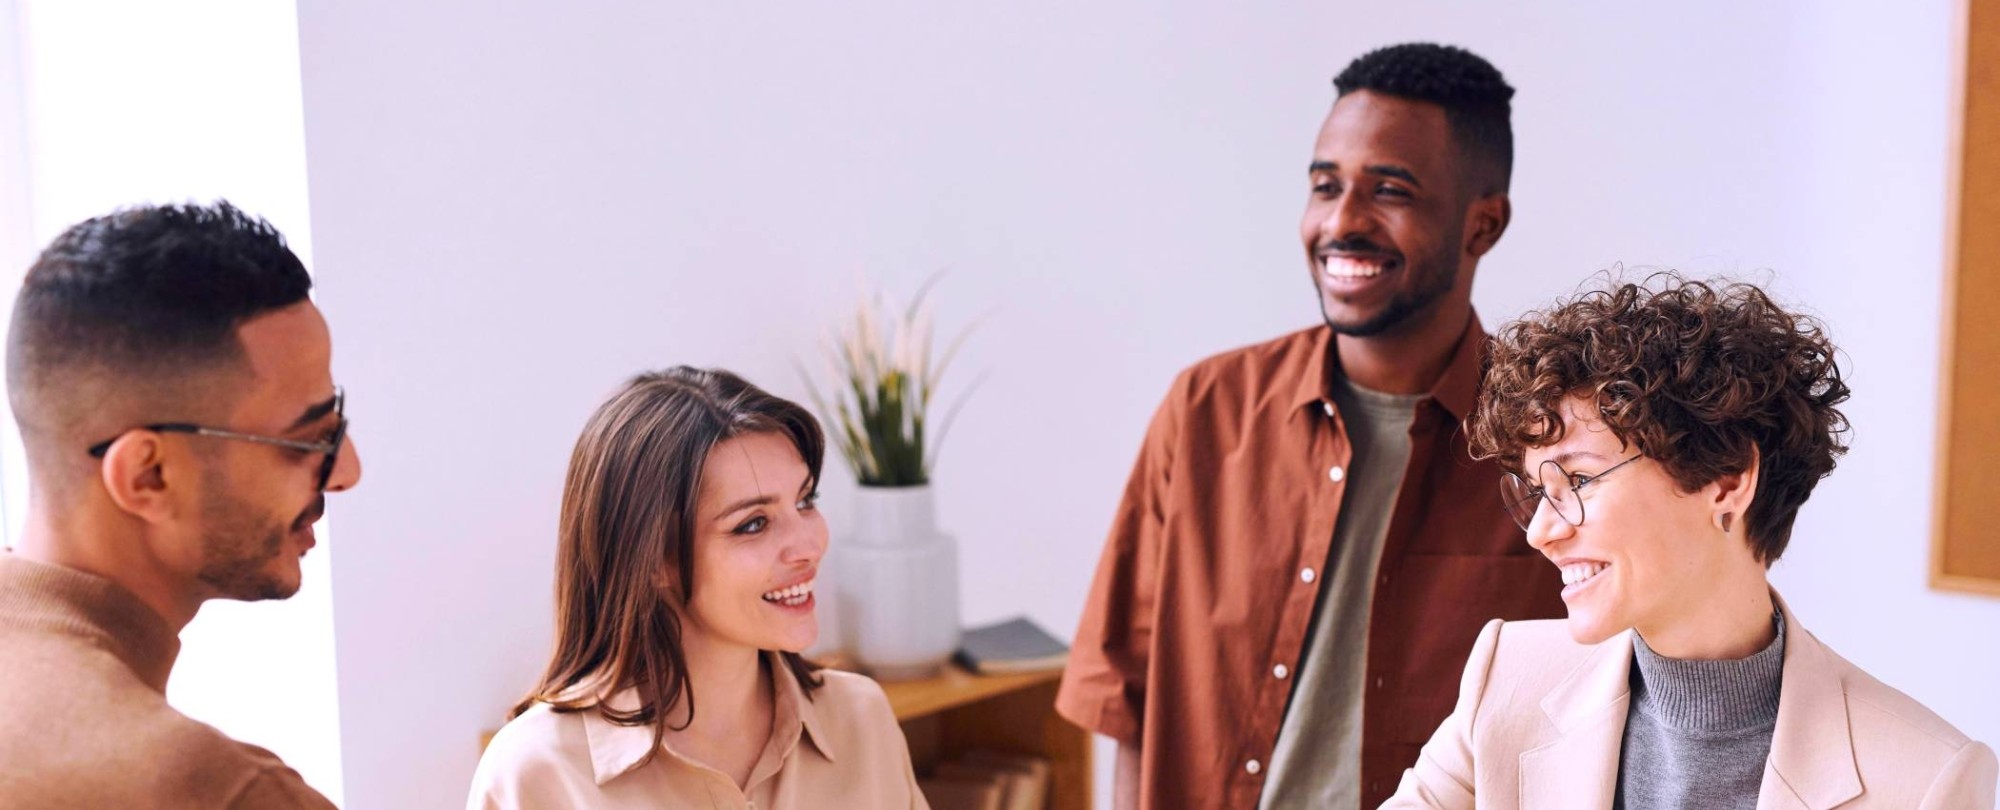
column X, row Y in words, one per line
column 84, row 720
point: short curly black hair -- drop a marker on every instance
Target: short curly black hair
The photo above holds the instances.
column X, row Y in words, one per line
column 1692, row 375
column 1477, row 100
column 148, row 296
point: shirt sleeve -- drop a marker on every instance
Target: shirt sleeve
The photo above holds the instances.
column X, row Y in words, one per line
column 526, row 767
column 279, row 788
column 1104, row 686
column 1967, row 780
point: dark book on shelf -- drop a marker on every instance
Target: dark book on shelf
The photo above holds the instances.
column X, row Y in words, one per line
column 1015, row 645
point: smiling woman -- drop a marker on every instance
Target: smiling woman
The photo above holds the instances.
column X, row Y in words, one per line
column 1680, row 679
column 688, row 545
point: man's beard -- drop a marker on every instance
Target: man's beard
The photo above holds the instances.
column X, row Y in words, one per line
column 240, row 544
column 1400, row 307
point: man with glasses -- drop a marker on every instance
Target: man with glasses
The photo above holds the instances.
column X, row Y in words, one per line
column 173, row 387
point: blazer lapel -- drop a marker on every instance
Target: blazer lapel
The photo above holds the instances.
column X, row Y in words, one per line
column 1579, row 769
column 1812, row 754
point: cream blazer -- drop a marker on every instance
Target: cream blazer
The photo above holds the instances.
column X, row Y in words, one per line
column 1540, row 720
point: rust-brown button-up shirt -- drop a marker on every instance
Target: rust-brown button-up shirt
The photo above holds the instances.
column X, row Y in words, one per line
column 1210, row 578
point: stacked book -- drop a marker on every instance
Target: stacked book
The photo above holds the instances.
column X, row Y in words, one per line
column 988, row 780
column 1016, row 645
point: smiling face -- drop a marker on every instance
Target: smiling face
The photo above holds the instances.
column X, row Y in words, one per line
column 758, row 542
column 1385, row 226
column 257, row 502
column 1648, row 555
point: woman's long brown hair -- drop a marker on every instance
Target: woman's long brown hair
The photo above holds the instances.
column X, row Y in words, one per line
column 628, row 514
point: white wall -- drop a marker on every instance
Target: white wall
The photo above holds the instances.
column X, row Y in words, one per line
column 17, row 246
column 1867, row 238
column 517, row 208
column 109, row 103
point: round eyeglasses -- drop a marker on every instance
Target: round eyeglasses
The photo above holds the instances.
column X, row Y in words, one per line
column 1560, row 487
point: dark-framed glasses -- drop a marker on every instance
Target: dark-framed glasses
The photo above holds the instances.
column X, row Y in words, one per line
column 331, row 447
column 1560, row 487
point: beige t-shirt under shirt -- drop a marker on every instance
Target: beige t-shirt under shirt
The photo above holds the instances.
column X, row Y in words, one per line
column 1317, row 761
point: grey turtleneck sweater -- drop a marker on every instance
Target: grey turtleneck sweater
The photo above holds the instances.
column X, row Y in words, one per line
column 1698, row 732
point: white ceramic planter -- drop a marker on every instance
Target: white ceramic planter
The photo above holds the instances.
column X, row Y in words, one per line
column 897, row 584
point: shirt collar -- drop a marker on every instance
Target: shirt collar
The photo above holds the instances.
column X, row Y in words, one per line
column 616, row 749
column 1457, row 389
column 792, row 694
column 793, row 716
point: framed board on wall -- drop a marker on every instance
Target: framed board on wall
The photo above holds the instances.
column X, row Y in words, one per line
column 1965, row 550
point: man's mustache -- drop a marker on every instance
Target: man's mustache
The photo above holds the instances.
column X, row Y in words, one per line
column 312, row 514
column 1355, row 246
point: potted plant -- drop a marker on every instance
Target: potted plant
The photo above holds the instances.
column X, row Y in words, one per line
column 896, row 581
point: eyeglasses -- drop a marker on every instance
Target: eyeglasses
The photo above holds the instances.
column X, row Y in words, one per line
column 1561, row 488
column 331, row 447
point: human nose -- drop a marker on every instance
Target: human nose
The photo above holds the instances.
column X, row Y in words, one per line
column 1547, row 526
column 807, row 545
column 1348, row 217
column 346, row 465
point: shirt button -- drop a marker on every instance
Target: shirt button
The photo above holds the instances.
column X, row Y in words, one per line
column 1280, row 672
column 1336, row 473
column 1328, row 407
column 1253, row 766
column 1307, row 575
column 1378, row 683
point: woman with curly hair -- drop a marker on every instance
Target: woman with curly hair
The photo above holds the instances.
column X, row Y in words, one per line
column 1660, row 438
column 685, row 558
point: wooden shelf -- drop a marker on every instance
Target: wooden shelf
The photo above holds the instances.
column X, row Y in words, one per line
column 958, row 711
column 956, row 687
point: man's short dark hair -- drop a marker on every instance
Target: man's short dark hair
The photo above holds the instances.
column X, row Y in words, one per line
column 141, row 295
column 1475, row 97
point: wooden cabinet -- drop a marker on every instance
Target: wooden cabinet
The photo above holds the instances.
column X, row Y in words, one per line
column 958, row 711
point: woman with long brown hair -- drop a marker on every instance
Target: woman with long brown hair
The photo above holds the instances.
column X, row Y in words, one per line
column 688, row 545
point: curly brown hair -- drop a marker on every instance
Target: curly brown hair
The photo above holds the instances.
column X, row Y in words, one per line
column 1695, row 376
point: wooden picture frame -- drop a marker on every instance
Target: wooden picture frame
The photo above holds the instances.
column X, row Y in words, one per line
column 1965, row 543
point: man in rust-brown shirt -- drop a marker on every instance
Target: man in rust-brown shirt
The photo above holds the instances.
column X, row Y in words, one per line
column 1222, row 585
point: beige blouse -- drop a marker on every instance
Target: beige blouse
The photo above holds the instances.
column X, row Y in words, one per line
column 841, row 748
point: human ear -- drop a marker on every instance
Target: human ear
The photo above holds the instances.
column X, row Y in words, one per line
column 1730, row 495
column 1486, row 219
column 137, row 472
column 667, row 580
